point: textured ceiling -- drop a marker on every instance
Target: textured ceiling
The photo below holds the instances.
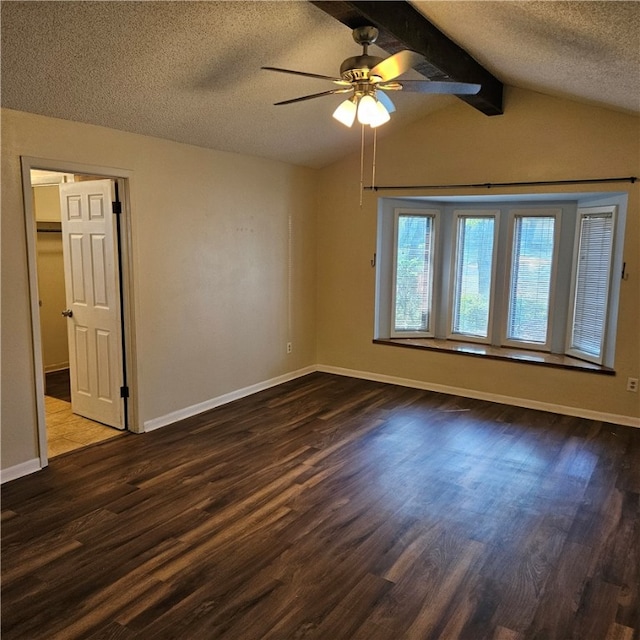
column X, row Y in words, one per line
column 190, row 71
column 582, row 50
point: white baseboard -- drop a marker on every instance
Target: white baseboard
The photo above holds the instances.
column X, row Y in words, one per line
column 19, row 470
column 31, row 466
column 187, row 412
column 628, row 421
column 578, row 412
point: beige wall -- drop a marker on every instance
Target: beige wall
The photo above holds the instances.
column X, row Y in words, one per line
column 53, row 326
column 214, row 304
column 46, row 202
column 213, row 307
column 538, row 138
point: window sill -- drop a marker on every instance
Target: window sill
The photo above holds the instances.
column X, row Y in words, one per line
column 497, row 353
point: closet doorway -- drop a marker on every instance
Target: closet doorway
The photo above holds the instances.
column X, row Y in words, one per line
column 80, row 321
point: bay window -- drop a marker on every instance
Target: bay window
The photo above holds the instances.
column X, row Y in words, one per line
column 534, row 273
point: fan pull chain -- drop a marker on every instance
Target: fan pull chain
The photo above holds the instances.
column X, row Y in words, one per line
column 373, row 165
column 361, row 164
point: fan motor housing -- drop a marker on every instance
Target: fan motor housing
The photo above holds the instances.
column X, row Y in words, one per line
column 358, row 67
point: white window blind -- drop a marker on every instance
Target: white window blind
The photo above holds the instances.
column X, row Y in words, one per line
column 473, row 275
column 531, row 268
column 413, row 273
column 592, row 277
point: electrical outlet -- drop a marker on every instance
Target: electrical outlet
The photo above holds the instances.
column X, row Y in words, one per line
column 632, row 384
column 290, row 349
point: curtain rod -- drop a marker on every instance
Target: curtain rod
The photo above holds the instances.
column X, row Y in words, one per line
column 490, row 185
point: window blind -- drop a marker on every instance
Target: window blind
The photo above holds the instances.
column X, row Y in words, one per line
column 593, row 272
column 414, row 273
column 531, row 266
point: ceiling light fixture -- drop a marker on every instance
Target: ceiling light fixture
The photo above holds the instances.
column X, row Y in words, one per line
column 371, row 108
column 368, row 109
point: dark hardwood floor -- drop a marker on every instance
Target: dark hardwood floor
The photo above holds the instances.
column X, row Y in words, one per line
column 57, row 385
column 333, row 508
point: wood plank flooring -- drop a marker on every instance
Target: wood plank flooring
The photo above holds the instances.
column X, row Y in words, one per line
column 58, row 385
column 333, row 508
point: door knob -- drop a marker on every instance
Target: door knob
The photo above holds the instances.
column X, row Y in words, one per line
column 67, row 313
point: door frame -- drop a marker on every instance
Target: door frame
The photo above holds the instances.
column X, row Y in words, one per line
column 121, row 178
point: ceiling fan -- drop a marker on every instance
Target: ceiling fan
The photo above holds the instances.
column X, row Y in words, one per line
column 367, row 78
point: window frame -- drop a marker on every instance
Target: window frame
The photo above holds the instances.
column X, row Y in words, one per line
column 434, row 214
column 551, row 212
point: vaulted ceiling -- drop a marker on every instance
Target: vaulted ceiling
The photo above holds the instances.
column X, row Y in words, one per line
column 190, row 71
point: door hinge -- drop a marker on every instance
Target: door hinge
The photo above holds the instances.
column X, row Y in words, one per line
column 117, row 207
column 124, row 392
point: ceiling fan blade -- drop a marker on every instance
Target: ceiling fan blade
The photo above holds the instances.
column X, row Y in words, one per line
column 433, row 86
column 386, row 101
column 396, row 65
column 313, row 95
column 307, row 75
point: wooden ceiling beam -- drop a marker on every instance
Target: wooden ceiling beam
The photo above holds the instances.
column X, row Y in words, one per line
column 401, row 26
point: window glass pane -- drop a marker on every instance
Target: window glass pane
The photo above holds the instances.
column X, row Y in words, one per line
column 474, row 263
column 533, row 239
column 414, row 273
column 592, row 283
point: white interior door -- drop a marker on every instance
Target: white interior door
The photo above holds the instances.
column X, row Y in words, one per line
column 93, row 300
